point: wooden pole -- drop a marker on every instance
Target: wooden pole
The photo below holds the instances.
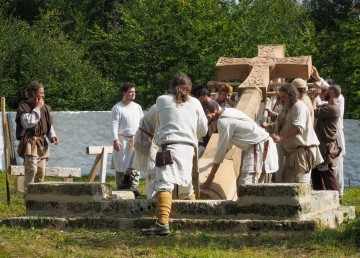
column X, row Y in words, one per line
column 5, row 128
column 195, row 174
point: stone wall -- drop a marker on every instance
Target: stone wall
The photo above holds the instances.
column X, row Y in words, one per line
column 77, row 130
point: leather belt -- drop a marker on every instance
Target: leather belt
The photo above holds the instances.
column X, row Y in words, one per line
column 33, row 142
column 146, row 132
column 184, row 143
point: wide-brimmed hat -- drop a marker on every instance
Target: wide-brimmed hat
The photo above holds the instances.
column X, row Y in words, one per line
column 299, row 83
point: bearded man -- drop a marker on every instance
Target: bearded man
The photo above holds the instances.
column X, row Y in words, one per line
column 297, row 138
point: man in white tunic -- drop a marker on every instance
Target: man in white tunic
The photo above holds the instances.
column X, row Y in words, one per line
column 297, row 138
column 180, row 122
column 260, row 154
column 125, row 119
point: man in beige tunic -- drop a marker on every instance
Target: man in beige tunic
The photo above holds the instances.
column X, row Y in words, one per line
column 302, row 87
column 297, row 138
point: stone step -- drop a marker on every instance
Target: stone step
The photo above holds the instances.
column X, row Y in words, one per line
column 228, row 226
column 257, row 201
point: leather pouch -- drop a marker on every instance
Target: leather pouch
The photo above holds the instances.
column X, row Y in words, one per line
column 163, row 157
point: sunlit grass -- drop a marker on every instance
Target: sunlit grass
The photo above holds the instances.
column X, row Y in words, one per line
column 20, row 242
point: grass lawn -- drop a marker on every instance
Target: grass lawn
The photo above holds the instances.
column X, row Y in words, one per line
column 20, row 242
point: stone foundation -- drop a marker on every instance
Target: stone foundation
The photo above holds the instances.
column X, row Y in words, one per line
column 259, row 207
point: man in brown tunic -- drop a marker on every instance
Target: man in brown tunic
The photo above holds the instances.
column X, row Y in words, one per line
column 327, row 116
column 33, row 123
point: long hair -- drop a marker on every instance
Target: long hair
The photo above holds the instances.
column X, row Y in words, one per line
column 33, row 86
column 292, row 92
column 180, row 87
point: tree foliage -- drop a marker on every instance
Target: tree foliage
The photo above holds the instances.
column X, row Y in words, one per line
column 84, row 50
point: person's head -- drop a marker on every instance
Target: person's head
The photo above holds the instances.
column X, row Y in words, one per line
column 128, row 91
column 203, row 94
column 288, row 95
column 225, row 93
column 300, row 85
column 35, row 90
column 208, row 107
column 180, row 87
column 333, row 91
column 330, row 82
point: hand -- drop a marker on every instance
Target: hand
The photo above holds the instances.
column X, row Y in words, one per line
column 315, row 73
column 314, row 92
column 264, row 124
column 208, row 182
column 40, row 102
column 117, row 145
column 55, row 140
column 277, row 138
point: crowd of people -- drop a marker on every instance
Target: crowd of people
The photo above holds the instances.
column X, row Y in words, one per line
column 303, row 141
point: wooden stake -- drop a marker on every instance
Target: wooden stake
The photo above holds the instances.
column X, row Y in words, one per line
column 6, row 152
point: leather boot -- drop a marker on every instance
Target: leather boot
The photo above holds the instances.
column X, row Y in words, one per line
column 126, row 183
column 119, row 177
column 163, row 209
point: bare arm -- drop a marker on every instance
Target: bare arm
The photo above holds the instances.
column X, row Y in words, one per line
column 211, row 176
column 292, row 131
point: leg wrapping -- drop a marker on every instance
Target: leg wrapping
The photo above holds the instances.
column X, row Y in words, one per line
column 163, row 207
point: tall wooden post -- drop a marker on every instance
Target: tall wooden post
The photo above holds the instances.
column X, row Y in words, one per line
column 6, row 149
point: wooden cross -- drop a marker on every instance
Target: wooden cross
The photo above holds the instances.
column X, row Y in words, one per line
column 270, row 64
column 254, row 74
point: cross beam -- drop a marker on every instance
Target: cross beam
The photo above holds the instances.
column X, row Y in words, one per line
column 254, row 74
column 270, row 63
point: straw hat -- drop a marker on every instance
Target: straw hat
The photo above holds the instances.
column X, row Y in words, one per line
column 299, row 84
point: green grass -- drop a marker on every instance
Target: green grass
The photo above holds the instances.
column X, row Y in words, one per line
column 20, row 242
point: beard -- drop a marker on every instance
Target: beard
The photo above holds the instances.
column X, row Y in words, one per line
column 327, row 96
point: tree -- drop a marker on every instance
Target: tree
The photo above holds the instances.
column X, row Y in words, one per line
column 326, row 13
column 42, row 52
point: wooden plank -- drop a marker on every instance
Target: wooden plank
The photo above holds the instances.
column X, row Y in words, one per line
column 94, row 168
column 98, row 149
column 49, row 171
column 103, row 166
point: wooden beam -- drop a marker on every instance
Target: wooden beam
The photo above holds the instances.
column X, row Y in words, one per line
column 98, row 149
column 49, row 171
column 95, row 168
column 103, row 165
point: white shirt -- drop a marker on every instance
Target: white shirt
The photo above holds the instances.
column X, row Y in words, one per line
column 183, row 123
column 125, row 120
column 237, row 128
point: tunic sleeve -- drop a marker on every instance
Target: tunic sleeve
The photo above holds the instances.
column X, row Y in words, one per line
column 29, row 120
column 115, row 117
column 223, row 142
